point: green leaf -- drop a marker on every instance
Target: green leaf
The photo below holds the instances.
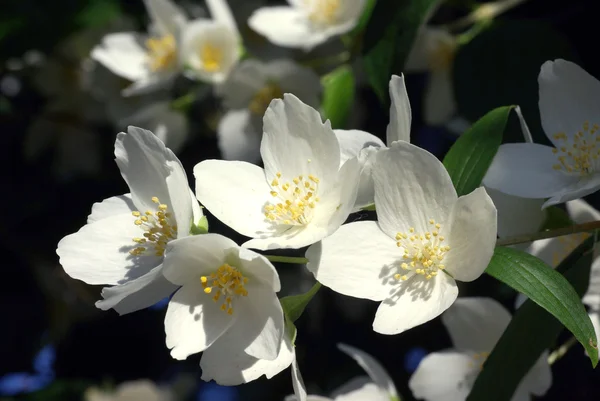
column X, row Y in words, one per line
column 293, row 305
column 98, row 13
column 547, row 288
column 388, row 39
column 469, row 158
column 556, row 218
column 338, row 95
column 201, row 227
column 531, row 331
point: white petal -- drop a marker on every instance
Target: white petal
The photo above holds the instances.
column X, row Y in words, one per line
column 137, row 294
column 418, row 59
column 237, row 138
column 517, row 216
column 440, row 105
column 229, row 365
column 336, row 264
column 287, row 27
column 121, row 204
column 256, row 266
column 298, row 383
column 259, row 326
column 221, row 12
column 539, row 378
column 581, row 211
column 235, row 193
column 166, row 15
column 592, row 295
column 193, row 321
column 243, row 83
column 123, row 55
column 189, row 258
column 150, row 169
column 569, row 96
column 476, row 323
column 414, row 302
column 368, row 391
column 291, row 124
column 532, row 165
column 99, row 252
column 353, row 141
column 443, row 376
column 585, row 186
column 411, row 187
column 373, row 368
column 400, row 115
column 471, row 235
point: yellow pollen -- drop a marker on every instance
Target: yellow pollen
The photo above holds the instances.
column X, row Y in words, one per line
column 578, row 154
column 324, row 12
column 159, row 230
column 422, row 253
column 162, row 53
column 480, row 359
column 296, row 200
column 226, row 281
column 261, row 100
column 211, row 57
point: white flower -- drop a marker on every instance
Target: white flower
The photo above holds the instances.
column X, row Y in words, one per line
column 211, row 48
column 139, row 390
column 168, row 125
column 227, row 303
column 300, row 197
column 425, row 238
column 150, row 62
column 306, row 23
column 248, row 92
column 124, row 239
column 433, row 51
column 377, row 387
column 517, row 216
column 570, row 115
column 475, row 326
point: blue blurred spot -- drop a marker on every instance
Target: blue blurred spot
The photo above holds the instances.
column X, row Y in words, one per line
column 162, row 304
column 211, row 391
column 22, row 382
column 413, row 358
column 43, row 363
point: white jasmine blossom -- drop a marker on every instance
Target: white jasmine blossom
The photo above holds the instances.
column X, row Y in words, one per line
column 300, row 197
column 139, row 390
column 150, row 62
column 306, row 23
column 247, row 94
column 475, row 326
column 124, row 240
column 569, row 99
column 425, row 238
column 227, row 302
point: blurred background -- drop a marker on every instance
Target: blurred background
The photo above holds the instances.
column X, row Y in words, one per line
column 59, row 114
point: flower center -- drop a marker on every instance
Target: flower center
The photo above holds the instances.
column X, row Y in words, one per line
column 580, row 154
column 159, row 230
column 323, row 12
column 211, row 57
column 261, row 100
column 295, row 200
column 442, row 57
column 567, row 244
column 162, row 52
column 227, row 282
column 479, row 359
column 423, row 252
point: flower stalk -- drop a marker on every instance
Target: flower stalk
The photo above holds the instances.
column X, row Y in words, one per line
column 559, row 232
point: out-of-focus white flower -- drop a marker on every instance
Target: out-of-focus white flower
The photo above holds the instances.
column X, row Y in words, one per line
column 517, row 216
column 300, row 197
column 570, row 115
column 475, row 326
column 433, row 51
column 150, row 62
column 124, row 240
column 378, row 386
column 426, row 237
column 248, row 92
column 139, row 390
column 306, row 23
column 211, row 47
column 227, row 304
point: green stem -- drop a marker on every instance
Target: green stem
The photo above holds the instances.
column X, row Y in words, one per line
column 184, row 102
column 287, row 259
column 487, row 11
column 561, row 351
column 559, row 232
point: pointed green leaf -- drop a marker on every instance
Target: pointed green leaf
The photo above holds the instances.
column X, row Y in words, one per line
column 547, row 288
column 531, row 331
column 293, row 305
column 338, row 95
column 471, row 155
column 389, row 37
